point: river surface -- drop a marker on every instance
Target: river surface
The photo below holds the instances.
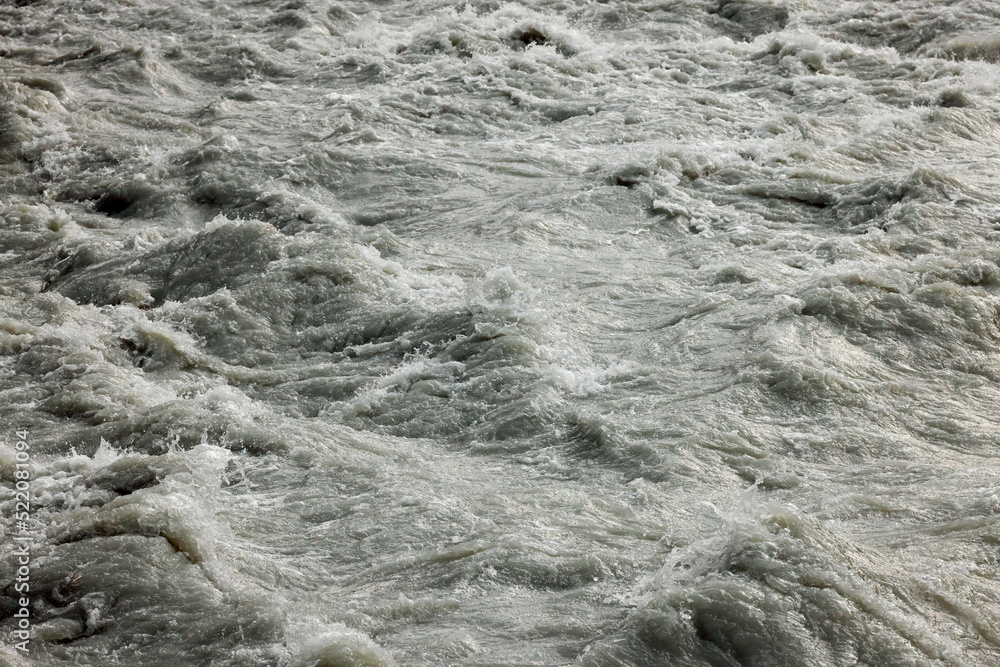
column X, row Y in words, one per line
column 555, row 332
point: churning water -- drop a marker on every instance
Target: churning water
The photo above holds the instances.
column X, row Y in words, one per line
column 543, row 332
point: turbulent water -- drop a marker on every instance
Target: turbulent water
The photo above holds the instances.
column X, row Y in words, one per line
column 661, row 332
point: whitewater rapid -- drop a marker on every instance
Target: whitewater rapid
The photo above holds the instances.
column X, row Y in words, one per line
column 557, row 332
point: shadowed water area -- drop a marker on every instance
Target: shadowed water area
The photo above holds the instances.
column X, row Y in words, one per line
column 566, row 332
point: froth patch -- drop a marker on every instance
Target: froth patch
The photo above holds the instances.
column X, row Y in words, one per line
column 177, row 509
column 971, row 46
column 340, row 646
column 777, row 590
